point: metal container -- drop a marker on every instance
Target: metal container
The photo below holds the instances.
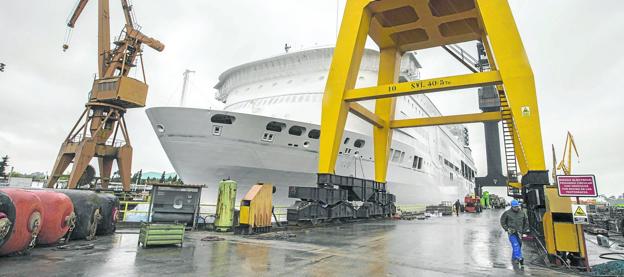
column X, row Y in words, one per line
column 21, row 215
column 161, row 234
column 175, row 203
column 87, row 206
column 225, row 206
column 59, row 216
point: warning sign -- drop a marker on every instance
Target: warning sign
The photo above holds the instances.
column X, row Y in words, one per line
column 579, row 214
column 579, row 211
column 577, row 185
column 526, row 111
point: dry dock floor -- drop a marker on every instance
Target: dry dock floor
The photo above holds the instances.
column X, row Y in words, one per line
column 468, row 245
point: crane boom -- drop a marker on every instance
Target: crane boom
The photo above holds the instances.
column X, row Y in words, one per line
column 127, row 8
column 77, row 11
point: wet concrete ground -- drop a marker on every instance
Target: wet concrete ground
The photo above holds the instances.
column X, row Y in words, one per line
column 468, row 245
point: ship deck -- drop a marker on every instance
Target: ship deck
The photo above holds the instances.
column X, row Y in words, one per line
column 468, row 245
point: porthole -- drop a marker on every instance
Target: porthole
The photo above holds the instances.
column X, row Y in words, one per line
column 314, row 134
column 160, row 128
column 359, row 143
column 275, row 126
column 296, row 130
column 306, row 144
column 223, row 119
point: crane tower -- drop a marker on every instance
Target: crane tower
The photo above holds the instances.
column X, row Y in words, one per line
column 96, row 132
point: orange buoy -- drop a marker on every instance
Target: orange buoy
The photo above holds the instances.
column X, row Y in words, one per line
column 59, row 216
column 23, row 213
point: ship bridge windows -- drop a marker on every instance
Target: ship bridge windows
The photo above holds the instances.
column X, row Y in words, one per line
column 397, row 155
column 314, row 134
column 223, row 118
column 296, row 130
column 275, row 126
column 418, row 161
column 359, row 143
column 467, row 171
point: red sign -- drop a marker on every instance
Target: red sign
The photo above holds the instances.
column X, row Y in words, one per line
column 577, row 185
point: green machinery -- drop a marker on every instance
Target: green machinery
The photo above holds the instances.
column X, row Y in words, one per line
column 225, row 206
column 161, row 234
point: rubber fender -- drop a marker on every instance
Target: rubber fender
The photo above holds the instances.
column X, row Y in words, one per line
column 87, row 209
column 24, row 211
column 59, row 215
column 109, row 205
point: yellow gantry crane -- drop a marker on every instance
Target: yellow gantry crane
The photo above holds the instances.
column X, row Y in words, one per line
column 113, row 92
column 566, row 160
column 399, row 26
column 565, row 165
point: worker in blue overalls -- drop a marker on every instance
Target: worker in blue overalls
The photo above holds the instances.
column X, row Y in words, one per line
column 515, row 222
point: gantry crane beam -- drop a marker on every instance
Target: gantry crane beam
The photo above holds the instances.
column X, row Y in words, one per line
column 425, row 86
column 398, row 26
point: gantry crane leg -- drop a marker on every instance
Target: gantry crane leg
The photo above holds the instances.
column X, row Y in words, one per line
column 106, row 167
column 62, row 162
column 124, row 162
column 519, row 84
column 345, row 66
column 84, row 153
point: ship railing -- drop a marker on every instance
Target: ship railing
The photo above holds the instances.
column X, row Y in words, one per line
column 209, row 210
column 124, row 212
column 111, row 142
column 206, row 210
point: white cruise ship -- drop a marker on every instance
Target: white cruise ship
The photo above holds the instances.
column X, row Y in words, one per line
column 268, row 132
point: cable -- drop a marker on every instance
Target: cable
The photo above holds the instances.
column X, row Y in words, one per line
column 362, row 168
column 604, row 256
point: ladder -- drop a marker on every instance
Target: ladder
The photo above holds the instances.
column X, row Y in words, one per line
column 513, row 187
column 462, row 56
column 508, row 134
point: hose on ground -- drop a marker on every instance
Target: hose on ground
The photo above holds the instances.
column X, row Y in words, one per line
column 605, row 256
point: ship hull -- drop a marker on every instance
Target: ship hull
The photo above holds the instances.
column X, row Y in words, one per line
column 240, row 152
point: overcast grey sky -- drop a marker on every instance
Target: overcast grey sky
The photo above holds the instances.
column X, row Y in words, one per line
column 573, row 46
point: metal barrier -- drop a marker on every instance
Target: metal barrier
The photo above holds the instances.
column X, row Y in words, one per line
column 207, row 210
column 123, row 205
column 280, row 211
column 412, row 207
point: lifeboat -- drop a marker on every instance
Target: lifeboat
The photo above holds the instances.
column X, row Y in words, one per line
column 109, row 205
column 87, row 207
column 59, row 216
column 21, row 217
